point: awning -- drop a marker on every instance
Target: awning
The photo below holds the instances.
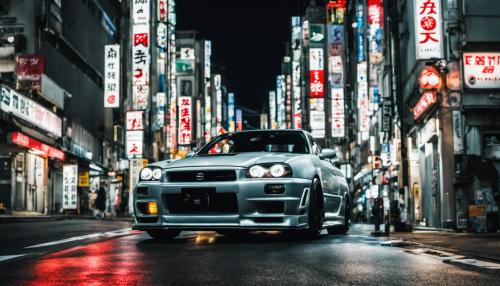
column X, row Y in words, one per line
column 22, row 140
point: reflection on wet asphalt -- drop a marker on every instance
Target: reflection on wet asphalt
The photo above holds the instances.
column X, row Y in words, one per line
column 207, row 258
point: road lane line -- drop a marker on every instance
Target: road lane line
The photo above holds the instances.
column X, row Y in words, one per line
column 8, row 257
column 107, row 234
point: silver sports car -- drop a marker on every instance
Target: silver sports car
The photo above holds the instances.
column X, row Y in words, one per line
column 251, row 180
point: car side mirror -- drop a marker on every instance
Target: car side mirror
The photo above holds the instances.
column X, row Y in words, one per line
column 328, row 154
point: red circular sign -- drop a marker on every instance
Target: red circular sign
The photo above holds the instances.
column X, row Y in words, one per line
column 428, row 23
column 111, row 99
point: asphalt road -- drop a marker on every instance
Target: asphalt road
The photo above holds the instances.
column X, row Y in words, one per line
column 132, row 258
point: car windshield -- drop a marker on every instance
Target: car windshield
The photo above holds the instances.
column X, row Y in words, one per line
column 257, row 141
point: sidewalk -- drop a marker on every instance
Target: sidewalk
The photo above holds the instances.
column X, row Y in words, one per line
column 486, row 246
column 37, row 217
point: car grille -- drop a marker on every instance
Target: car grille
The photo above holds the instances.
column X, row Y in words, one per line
column 208, row 176
column 225, row 203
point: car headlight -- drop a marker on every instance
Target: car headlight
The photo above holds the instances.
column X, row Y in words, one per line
column 150, row 174
column 273, row 170
column 277, row 170
column 257, row 171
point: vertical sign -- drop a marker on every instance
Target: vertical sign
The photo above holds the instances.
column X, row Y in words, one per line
column 140, row 54
column 218, row 102
column 296, row 72
column 70, row 183
column 316, row 73
column 162, row 10
column 272, row 110
column 135, row 169
column 336, row 59
column 280, row 101
column 458, row 133
column 134, row 120
column 134, row 143
column 317, row 117
column 185, row 124
column 111, row 76
column 239, row 120
column 140, row 11
column 230, row 112
column 208, row 98
column 428, row 29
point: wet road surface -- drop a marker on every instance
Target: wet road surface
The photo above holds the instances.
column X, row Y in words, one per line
column 257, row 259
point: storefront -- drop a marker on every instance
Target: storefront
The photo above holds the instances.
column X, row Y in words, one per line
column 34, row 169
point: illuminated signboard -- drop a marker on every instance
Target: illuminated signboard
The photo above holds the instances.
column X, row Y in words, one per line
column 424, row 103
column 428, row 30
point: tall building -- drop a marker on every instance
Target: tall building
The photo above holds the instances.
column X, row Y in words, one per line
column 56, row 136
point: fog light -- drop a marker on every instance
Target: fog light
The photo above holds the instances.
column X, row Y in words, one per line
column 152, row 208
column 275, row 189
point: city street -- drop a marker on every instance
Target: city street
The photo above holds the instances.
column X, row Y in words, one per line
column 210, row 259
column 141, row 140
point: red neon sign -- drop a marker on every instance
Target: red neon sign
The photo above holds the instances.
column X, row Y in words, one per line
column 424, row 103
column 22, row 140
column 430, row 79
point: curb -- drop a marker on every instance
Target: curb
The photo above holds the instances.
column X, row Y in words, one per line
column 405, row 243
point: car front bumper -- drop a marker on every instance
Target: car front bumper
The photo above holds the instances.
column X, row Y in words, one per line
column 256, row 209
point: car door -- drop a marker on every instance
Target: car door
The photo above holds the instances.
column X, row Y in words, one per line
column 328, row 181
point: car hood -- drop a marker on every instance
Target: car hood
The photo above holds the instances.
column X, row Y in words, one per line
column 236, row 160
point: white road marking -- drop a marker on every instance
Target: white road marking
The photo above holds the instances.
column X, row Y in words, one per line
column 8, row 257
column 107, row 234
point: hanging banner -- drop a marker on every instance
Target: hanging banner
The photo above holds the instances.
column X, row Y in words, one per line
column 70, row 184
column 428, row 29
column 458, row 133
column 140, row 11
column 140, row 54
column 316, row 73
column 111, row 76
column 134, row 120
column 134, row 143
column 185, row 120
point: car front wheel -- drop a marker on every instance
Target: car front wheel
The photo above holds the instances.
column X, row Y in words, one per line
column 316, row 211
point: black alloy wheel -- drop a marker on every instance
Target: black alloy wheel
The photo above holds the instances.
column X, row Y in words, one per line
column 163, row 234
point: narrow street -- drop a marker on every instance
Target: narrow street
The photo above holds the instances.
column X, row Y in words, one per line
column 206, row 258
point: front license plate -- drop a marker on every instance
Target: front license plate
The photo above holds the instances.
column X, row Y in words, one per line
column 197, row 199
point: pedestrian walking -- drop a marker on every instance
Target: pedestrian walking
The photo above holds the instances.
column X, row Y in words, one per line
column 100, row 203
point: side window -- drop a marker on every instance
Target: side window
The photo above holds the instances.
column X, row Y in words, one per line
column 315, row 146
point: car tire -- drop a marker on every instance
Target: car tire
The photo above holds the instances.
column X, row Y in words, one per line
column 315, row 211
column 163, row 234
column 342, row 229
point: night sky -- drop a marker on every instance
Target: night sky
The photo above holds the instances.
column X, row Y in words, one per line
column 247, row 40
